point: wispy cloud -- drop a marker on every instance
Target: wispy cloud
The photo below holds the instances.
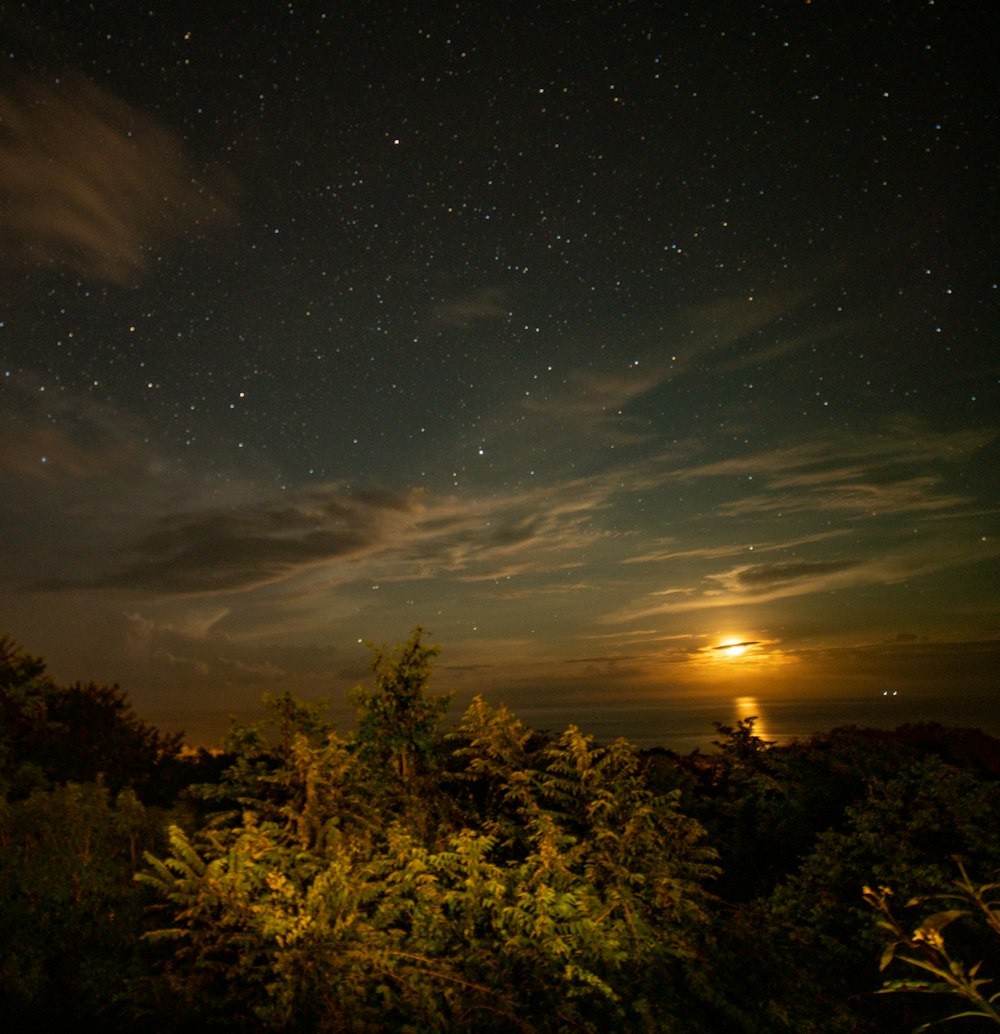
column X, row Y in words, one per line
column 788, row 573
column 742, row 585
column 225, row 551
column 91, row 184
column 859, row 499
column 730, row 549
column 838, row 457
column 484, row 303
column 47, row 436
column 781, row 346
column 853, row 475
column 374, row 535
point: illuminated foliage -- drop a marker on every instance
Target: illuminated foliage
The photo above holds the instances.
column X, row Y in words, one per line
column 397, row 719
column 925, row 949
column 492, row 877
column 572, row 899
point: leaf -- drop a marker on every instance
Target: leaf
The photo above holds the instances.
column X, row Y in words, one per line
column 937, row 922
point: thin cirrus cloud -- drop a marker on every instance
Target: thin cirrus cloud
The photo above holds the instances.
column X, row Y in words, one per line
column 484, row 303
column 236, row 550
column 358, row 536
column 89, row 183
column 256, row 563
column 49, row 435
column 730, row 549
column 395, row 537
column 850, row 474
column 899, row 442
column 845, row 482
column 751, row 584
column 785, row 573
column 911, row 495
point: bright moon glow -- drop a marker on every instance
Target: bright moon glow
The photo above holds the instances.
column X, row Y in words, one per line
column 732, row 648
column 734, row 656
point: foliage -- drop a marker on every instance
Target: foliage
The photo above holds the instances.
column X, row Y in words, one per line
column 903, row 833
column 70, row 918
column 253, row 753
column 51, row 735
column 743, row 804
column 309, row 916
column 491, row 877
column 925, row 947
column 764, row 806
column 397, row 719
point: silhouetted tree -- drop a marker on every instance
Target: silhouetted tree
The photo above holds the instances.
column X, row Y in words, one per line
column 51, row 735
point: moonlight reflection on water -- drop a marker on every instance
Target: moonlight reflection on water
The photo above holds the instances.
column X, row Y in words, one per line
column 749, row 707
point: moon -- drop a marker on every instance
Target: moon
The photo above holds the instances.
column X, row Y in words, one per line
column 732, row 647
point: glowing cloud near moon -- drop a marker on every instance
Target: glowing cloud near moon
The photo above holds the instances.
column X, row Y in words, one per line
column 733, row 648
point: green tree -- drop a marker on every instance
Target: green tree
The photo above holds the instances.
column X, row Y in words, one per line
column 258, row 758
column 743, row 801
column 398, row 719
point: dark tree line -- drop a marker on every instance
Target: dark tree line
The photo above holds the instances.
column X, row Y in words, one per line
column 485, row 876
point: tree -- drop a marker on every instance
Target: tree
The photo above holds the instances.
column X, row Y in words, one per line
column 397, row 719
column 902, row 833
column 743, row 801
column 70, row 913
column 51, row 735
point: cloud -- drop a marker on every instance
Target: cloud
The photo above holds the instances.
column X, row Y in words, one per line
column 741, row 331
column 751, row 584
column 329, row 535
column 900, row 442
column 589, row 405
column 486, row 303
column 785, row 573
column 782, row 347
column 912, row 495
column 91, row 184
column 855, row 475
column 49, row 453
column 218, row 551
column 46, row 436
column 732, row 549
column 760, row 583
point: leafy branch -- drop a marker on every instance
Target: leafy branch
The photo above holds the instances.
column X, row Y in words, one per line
column 926, row 949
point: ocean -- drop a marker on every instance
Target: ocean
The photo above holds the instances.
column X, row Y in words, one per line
column 681, row 724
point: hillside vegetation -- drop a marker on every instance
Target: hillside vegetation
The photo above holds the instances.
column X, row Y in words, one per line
column 487, row 875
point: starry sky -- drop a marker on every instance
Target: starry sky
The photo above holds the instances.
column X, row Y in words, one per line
column 635, row 350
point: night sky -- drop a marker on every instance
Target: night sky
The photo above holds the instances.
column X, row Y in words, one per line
column 634, row 350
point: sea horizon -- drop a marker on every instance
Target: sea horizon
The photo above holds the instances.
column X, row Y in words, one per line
column 681, row 724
